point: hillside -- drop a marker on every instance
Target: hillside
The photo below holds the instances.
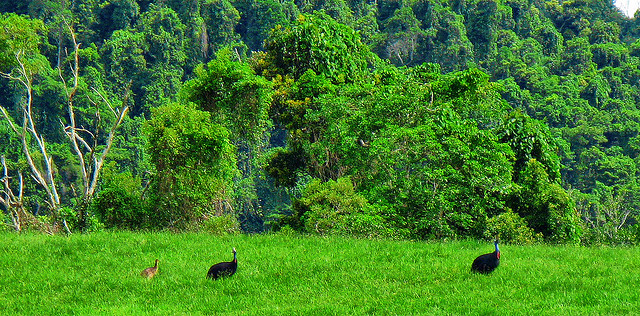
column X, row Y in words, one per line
column 426, row 119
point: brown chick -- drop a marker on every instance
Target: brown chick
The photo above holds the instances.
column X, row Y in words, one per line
column 150, row 272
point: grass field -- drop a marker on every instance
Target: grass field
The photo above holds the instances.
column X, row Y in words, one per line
column 281, row 275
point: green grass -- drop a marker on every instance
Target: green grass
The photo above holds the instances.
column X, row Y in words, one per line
column 279, row 275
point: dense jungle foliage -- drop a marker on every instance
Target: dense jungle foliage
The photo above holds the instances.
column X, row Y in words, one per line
column 402, row 119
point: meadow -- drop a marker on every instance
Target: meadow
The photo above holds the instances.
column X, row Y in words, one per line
column 98, row 274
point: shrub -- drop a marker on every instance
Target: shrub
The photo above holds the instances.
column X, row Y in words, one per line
column 333, row 207
column 220, row 225
column 546, row 206
column 511, row 228
column 608, row 235
column 5, row 223
column 119, row 203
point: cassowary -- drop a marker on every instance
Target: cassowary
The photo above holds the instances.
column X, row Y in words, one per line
column 488, row 262
column 223, row 269
column 150, row 272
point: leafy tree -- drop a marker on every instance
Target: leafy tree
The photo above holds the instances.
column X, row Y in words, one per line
column 530, row 140
column 165, row 57
column 194, row 165
column 119, row 203
column 259, row 17
column 511, row 228
column 410, row 145
column 319, row 43
column 604, row 32
column 115, row 15
column 220, row 20
column 368, row 27
column 577, row 57
column 336, row 9
column 240, row 101
column 151, row 56
column 483, row 23
column 404, row 36
column 609, row 55
column 124, row 61
column 447, row 41
column 229, row 89
column 546, row 206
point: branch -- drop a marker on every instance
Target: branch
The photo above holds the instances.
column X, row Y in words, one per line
column 71, row 130
column 79, row 138
column 12, row 203
column 42, row 177
column 8, row 118
column 100, row 161
column 624, row 218
column 47, row 180
column 104, row 99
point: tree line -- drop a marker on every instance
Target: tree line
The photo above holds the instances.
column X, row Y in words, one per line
column 401, row 119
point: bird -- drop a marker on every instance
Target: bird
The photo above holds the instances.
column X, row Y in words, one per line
column 223, row 269
column 150, row 272
column 486, row 263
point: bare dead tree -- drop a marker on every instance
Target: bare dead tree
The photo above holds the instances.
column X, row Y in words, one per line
column 26, row 131
column 84, row 143
column 403, row 46
column 12, row 202
column 90, row 161
column 607, row 217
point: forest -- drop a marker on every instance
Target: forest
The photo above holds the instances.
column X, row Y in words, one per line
column 403, row 119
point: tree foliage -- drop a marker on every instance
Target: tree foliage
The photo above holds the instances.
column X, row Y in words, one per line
column 448, row 118
column 194, row 165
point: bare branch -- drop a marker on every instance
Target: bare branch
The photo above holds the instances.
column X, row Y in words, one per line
column 13, row 204
column 113, row 111
column 83, row 141
column 8, row 118
column 71, row 130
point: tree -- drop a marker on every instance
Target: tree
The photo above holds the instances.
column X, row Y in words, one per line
column 529, row 139
column 115, row 15
column 546, row 206
column 259, row 17
column 164, row 37
column 240, row 101
column 483, row 23
column 334, row 207
column 447, row 42
column 577, row 57
column 410, row 142
column 151, row 55
column 194, row 163
column 319, row 43
column 84, row 143
column 220, row 20
column 404, row 36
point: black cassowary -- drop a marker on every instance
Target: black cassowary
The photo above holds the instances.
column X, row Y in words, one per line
column 488, row 262
column 223, row 269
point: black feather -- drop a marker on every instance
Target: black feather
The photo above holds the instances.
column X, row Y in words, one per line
column 488, row 262
column 223, row 269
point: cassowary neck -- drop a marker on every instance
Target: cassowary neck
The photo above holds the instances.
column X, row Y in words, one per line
column 235, row 259
column 497, row 250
